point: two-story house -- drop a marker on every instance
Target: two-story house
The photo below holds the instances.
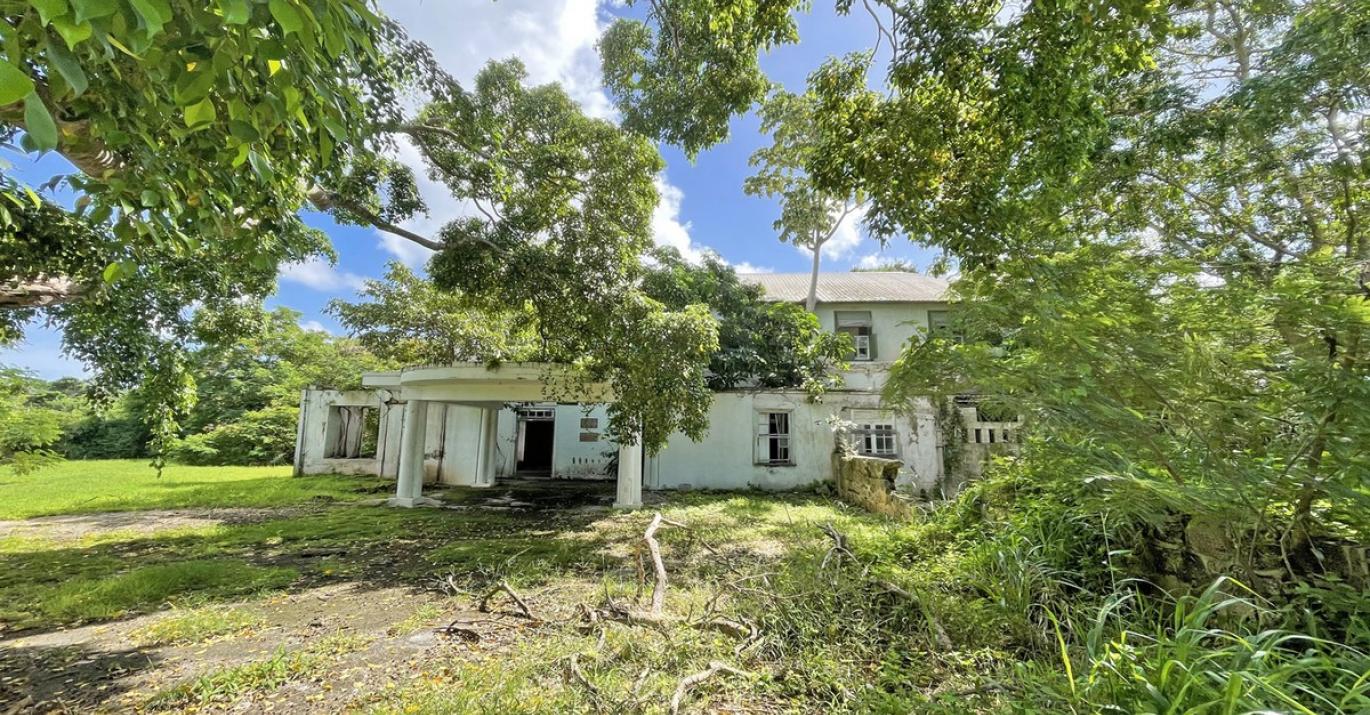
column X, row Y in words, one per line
column 479, row 426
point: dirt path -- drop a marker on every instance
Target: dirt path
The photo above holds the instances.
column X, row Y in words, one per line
column 97, row 668
column 78, row 526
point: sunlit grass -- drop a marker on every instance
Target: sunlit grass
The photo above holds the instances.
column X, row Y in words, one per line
column 196, row 625
column 284, row 666
column 82, row 487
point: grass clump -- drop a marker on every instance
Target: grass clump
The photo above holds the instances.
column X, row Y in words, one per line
column 284, row 666
column 148, row 587
column 196, row 625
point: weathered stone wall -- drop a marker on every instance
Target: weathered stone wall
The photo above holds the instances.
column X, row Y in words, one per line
column 868, row 482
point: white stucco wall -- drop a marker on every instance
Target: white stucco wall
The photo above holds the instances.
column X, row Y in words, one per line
column 893, row 324
column 319, row 426
column 574, row 459
column 726, row 459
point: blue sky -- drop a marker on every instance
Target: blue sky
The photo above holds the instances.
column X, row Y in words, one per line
column 702, row 207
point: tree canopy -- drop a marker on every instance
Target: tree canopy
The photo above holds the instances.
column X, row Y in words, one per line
column 1156, row 211
column 200, row 131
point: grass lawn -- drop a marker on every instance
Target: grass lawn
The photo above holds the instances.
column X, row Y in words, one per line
column 832, row 641
column 77, row 487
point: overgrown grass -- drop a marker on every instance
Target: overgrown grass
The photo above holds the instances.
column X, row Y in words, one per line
column 148, row 587
column 184, row 626
column 1011, row 598
column 79, row 487
column 284, row 666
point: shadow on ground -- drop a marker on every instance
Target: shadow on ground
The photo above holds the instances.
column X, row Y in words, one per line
column 528, row 533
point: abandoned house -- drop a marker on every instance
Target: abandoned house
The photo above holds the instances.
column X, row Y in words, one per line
column 471, row 425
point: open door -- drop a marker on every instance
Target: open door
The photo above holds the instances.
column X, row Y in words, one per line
column 536, row 430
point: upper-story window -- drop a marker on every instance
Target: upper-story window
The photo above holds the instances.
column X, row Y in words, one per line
column 940, row 326
column 857, row 324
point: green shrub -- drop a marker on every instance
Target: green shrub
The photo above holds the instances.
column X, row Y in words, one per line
column 259, row 437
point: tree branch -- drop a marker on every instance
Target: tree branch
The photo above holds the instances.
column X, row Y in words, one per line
column 39, row 293
column 325, row 200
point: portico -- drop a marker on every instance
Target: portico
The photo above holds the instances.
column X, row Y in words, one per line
column 478, row 393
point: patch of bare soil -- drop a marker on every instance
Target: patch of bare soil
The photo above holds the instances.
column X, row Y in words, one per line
column 72, row 527
column 99, row 669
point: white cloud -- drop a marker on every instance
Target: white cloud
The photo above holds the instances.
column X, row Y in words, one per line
column 847, row 237
column 315, row 326
column 667, row 228
column 745, row 267
column 318, row 274
column 870, row 260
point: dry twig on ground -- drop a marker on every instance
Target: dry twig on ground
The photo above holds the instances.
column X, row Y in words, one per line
column 693, row 680
column 503, row 586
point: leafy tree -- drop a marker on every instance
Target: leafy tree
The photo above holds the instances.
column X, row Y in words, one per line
column 409, row 321
column 31, row 420
column 564, row 205
column 898, row 265
column 683, row 73
column 760, row 343
column 809, row 216
column 1157, row 211
column 248, row 393
column 200, row 131
column 197, row 130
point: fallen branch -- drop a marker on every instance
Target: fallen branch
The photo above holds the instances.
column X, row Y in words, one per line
column 691, row 681
column 467, row 634
column 938, row 632
column 504, row 586
column 576, row 675
column 649, row 536
column 840, row 548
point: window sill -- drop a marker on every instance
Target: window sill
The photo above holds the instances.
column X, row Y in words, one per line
column 776, row 464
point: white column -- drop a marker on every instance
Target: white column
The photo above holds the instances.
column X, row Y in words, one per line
column 629, row 475
column 413, row 435
column 489, row 429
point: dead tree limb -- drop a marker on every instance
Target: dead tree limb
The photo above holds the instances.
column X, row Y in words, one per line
column 576, row 675
column 840, row 547
column 659, row 588
column 693, row 680
column 939, row 633
column 503, row 586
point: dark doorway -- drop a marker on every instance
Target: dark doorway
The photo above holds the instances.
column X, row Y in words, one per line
column 535, row 457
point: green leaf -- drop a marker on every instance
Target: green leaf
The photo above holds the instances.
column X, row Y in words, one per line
column 287, row 16
column 68, row 66
column 236, row 12
column 244, row 131
column 73, row 32
column 89, row 9
column 155, row 14
column 201, row 113
column 38, row 123
column 15, row 84
column 193, row 86
column 48, row 9
column 111, row 272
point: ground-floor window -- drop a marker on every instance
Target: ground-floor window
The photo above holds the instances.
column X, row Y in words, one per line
column 773, row 438
column 876, row 439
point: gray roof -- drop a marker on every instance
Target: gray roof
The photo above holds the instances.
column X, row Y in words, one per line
column 854, row 287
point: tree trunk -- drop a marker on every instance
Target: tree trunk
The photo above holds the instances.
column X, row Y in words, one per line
column 812, row 303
